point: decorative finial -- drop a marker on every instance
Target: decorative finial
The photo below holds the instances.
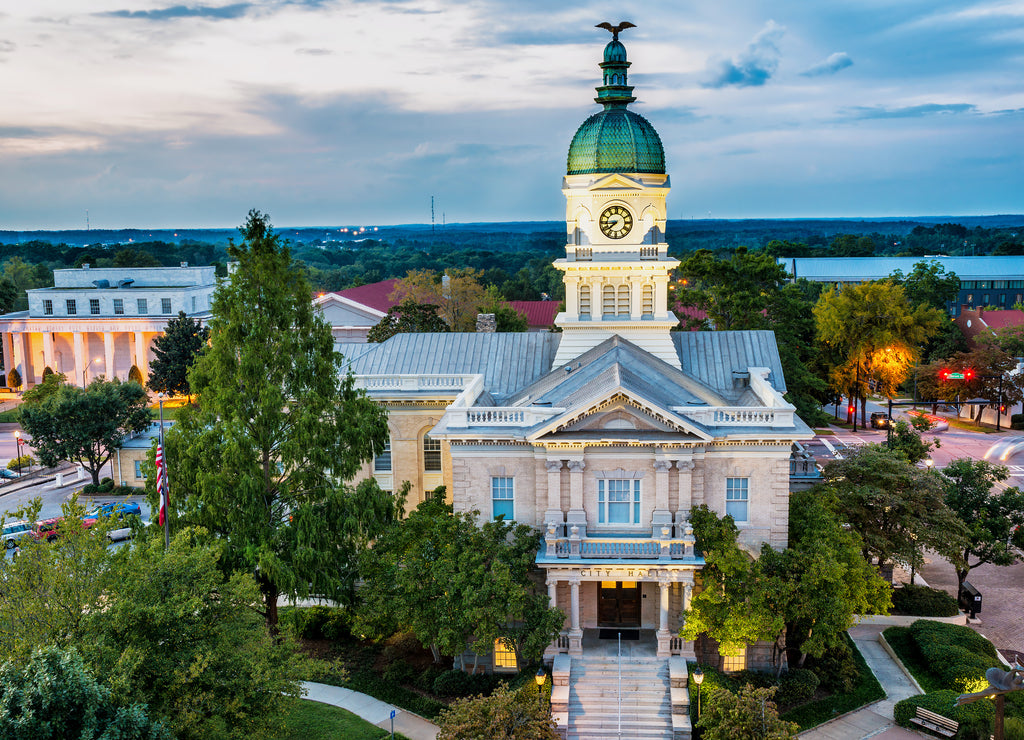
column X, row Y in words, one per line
column 623, row 25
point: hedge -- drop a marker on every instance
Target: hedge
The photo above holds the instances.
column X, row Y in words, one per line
column 922, row 601
column 944, row 702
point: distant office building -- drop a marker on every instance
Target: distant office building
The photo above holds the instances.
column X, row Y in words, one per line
column 984, row 281
column 101, row 321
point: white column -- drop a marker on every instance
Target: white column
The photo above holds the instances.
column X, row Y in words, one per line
column 688, row 651
column 23, row 347
column 572, row 293
column 577, row 515
column 108, row 355
column 80, row 361
column 48, row 350
column 685, row 503
column 661, row 296
column 554, row 512
column 636, row 306
column 8, row 345
column 141, row 360
column 575, row 633
column 664, row 646
column 553, row 592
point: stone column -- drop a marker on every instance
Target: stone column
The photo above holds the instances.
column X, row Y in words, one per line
column 660, row 296
column 8, row 346
column 48, row 350
column 24, row 346
column 664, row 636
column 636, row 299
column 575, row 633
column 554, row 513
column 688, row 650
column 80, row 361
column 572, row 295
column 552, row 584
column 141, row 360
column 685, row 503
column 108, row 355
column 577, row 514
column 661, row 518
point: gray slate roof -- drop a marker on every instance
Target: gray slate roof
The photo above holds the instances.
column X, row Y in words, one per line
column 508, row 361
column 857, row 269
column 712, row 356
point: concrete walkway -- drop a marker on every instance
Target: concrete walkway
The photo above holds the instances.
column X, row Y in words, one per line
column 372, row 710
column 874, row 720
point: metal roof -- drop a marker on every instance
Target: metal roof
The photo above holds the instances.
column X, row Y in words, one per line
column 508, row 360
column 712, row 356
column 857, row 269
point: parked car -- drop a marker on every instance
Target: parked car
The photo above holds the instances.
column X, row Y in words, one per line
column 47, row 529
column 5, row 473
column 880, row 420
column 14, row 531
column 117, row 508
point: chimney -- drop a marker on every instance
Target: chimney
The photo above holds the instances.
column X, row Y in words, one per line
column 486, row 323
column 184, row 264
column 85, row 265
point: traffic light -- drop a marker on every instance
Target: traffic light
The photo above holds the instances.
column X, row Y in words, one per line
column 851, row 409
column 968, row 374
column 944, row 374
column 1002, row 409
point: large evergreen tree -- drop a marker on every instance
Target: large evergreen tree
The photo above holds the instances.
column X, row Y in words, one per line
column 263, row 459
column 174, row 352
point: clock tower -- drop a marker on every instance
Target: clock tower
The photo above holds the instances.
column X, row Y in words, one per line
column 616, row 266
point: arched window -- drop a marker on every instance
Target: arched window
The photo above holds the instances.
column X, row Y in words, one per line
column 648, row 301
column 623, row 303
column 585, row 301
column 608, row 300
column 431, row 455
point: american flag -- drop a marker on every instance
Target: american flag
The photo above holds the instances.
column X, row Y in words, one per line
column 161, row 483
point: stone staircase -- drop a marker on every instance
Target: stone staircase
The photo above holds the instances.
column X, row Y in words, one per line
column 593, row 711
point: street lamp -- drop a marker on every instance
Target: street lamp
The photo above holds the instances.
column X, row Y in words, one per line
column 698, row 678
column 17, row 439
column 929, row 463
column 540, row 678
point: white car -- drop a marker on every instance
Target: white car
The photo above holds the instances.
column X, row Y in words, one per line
column 14, row 531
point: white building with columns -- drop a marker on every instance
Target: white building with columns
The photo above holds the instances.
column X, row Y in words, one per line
column 101, row 321
column 606, row 435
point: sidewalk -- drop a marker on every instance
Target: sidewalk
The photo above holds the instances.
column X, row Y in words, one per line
column 874, row 720
column 372, row 710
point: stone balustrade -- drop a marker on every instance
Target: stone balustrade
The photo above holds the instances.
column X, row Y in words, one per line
column 738, row 416
column 575, row 547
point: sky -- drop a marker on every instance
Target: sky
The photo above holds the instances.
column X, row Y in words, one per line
column 144, row 113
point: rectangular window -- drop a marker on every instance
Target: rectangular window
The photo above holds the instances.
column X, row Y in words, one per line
column 94, row 306
column 119, row 306
column 382, row 461
column 1002, row 299
column 737, row 498
column 504, row 656
column 732, row 663
column 431, row 455
column 165, row 305
column 143, row 306
column 618, row 501
column 999, row 284
column 503, row 498
column 138, row 470
column 985, row 299
column 72, row 306
column 193, row 304
column 48, row 307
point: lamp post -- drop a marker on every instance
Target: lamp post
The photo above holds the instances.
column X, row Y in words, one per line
column 698, row 678
column 167, row 515
column 540, row 678
column 17, row 440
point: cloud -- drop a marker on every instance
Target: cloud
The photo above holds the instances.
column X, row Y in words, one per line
column 314, row 52
column 754, row 66
column 835, row 62
column 910, row 111
column 223, row 12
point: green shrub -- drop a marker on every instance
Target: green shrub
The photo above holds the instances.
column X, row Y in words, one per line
column 14, row 378
column 836, row 670
column 1013, row 728
column 367, row 682
column 25, row 461
column 453, row 683
column 953, row 634
column 321, row 623
column 401, row 646
column 1017, row 421
column 398, row 671
column 425, row 681
column 944, row 702
column 797, row 686
column 922, row 601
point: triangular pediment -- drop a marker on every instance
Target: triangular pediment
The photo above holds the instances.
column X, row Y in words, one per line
column 619, row 415
column 617, row 182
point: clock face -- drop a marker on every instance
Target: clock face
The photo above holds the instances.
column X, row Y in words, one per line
column 615, row 222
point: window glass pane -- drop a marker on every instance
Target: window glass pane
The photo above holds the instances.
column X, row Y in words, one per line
column 503, row 498
column 72, row 308
column 48, row 308
column 431, row 454
column 736, row 498
column 143, row 307
column 94, row 306
column 504, row 657
column 138, row 469
column 382, row 461
column 165, row 305
column 119, row 306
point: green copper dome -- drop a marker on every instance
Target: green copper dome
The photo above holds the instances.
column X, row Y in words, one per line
column 616, row 139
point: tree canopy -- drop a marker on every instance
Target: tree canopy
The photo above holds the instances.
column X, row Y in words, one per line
column 457, row 293
column 85, row 425
column 174, row 352
column 408, row 316
column 507, row 714
column 749, row 714
column 262, row 460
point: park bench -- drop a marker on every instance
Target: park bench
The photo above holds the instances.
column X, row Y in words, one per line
column 935, row 722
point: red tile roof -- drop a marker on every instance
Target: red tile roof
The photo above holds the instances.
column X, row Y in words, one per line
column 539, row 314
column 1002, row 319
column 374, row 295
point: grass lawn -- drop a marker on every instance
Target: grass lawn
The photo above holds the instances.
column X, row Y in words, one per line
column 311, row 720
column 971, row 426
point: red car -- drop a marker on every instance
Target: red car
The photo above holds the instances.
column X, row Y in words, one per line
column 47, row 529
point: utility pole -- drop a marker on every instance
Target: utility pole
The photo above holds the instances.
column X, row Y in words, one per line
column 431, row 214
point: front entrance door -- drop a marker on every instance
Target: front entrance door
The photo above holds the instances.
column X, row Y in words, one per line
column 618, row 604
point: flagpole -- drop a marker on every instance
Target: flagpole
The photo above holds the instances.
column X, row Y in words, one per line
column 166, row 489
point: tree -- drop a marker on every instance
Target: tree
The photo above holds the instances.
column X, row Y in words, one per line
column 453, row 582
column 457, row 294
column 507, row 318
column 53, row 696
column 749, row 714
column 989, row 368
column 8, row 295
column 994, row 520
column 736, row 606
column 42, row 391
column 875, row 333
column 897, row 508
column 928, row 283
column 507, row 714
column 13, row 378
column 261, row 461
column 178, row 635
column 174, row 352
column 86, row 425
column 906, row 441
column 409, row 316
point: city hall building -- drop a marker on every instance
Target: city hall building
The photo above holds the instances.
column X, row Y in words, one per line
column 607, row 434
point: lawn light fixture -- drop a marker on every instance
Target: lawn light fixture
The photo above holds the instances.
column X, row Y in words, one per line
column 698, row 678
column 18, row 442
column 540, row 678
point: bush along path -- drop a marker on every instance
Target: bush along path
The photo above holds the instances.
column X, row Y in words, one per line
column 878, row 717
column 372, row 710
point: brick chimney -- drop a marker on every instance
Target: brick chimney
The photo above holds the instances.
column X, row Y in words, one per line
column 486, row 322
